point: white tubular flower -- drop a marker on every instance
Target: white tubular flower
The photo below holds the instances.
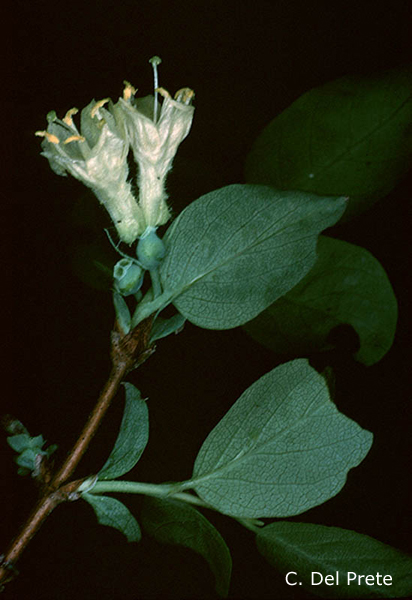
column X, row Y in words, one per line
column 97, row 156
column 154, row 141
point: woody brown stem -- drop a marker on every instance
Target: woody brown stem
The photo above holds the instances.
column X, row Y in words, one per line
column 91, row 426
column 127, row 352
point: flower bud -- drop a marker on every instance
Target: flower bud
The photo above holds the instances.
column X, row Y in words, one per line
column 150, row 249
column 128, row 277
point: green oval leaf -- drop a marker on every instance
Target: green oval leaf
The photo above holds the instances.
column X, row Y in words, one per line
column 172, row 522
column 113, row 513
column 350, row 137
column 133, row 436
column 347, row 285
column 305, row 548
column 281, row 449
column 233, row 252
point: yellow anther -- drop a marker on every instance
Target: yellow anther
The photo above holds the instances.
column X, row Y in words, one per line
column 68, row 116
column 185, row 95
column 163, row 92
column 50, row 137
column 75, row 138
column 98, row 105
column 128, row 91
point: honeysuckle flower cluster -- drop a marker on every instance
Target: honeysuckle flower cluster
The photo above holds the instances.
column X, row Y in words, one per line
column 97, row 152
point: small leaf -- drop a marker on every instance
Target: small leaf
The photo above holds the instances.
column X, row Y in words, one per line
column 347, row 285
column 36, row 442
column 233, row 252
column 51, row 449
column 13, row 426
column 164, row 327
column 23, row 441
column 173, row 522
column 23, row 471
column 132, row 439
column 350, row 137
column 114, row 513
column 122, row 312
column 281, row 449
column 19, row 442
column 27, row 459
column 306, row 548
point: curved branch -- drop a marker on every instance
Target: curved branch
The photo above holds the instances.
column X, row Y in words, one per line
column 127, row 352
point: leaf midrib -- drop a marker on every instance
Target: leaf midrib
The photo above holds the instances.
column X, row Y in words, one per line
column 246, row 455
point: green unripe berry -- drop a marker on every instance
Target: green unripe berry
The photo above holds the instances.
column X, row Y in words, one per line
column 150, row 249
column 128, row 277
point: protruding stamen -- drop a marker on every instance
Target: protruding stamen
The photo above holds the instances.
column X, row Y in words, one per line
column 185, row 95
column 155, row 61
column 50, row 137
column 68, row 116
column 128, row 91
column 163, row 92
column 75, row 138
column 97, row 106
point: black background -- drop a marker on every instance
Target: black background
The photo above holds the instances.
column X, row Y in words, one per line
column 246, row 61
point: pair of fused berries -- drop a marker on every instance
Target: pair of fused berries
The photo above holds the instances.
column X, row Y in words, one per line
column 128, row 272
